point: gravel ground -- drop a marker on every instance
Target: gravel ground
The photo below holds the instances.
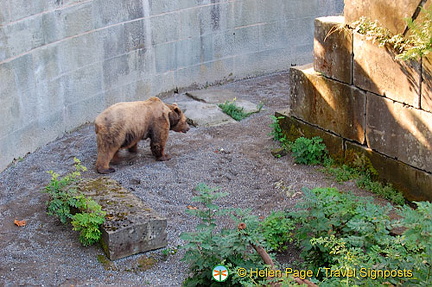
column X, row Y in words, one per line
column 235, row 157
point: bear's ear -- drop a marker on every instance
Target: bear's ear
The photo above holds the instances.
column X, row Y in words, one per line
column 176, row 109
column 174, row 116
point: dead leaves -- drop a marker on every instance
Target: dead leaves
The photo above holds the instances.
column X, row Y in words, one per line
column 20, row 223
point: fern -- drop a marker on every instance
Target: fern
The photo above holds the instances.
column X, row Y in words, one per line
column 413, row 47
column 420, row 38
column 68, row 204
column 339, row 231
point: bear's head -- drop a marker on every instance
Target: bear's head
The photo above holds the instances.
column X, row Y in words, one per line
column 177, row 119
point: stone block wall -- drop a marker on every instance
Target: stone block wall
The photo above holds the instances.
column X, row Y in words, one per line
column 64, row 61
column 358, row 94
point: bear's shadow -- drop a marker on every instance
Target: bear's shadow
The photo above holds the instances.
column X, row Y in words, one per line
column 125, row 158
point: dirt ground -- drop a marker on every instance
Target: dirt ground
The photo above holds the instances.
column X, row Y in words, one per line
column 234, row 157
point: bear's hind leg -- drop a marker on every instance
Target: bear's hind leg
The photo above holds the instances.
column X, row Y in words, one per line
column 116, row 159
column 134, row 148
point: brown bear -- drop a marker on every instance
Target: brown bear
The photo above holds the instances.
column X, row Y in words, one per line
column 123, row 125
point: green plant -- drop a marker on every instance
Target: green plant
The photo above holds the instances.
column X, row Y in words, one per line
column 237, row 113
column 339, row 232
column 413, row 47
column 359, row 168
column 213, row 243
column 309, row 151
column 386, row 191
column 341, row 173
column 354, row 166
column 276, row 130
column 420, row 39
column 413, row 249
column 277, row 230
column 88, row 221
column 327, row 211
column 169, row 251
column 69, row 204
column 278, row 135
column 376, row 33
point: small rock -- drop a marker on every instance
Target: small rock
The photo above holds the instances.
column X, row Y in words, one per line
column 279, row 152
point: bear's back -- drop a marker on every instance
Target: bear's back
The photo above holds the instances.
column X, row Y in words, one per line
column 133, row 113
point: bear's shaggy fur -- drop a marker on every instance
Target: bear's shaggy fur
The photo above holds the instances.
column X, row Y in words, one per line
column 123, row 125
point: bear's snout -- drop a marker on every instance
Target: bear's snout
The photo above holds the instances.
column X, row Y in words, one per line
column 181, row 128
column 186, row 129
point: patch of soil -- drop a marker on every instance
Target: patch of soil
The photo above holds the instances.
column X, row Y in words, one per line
column 234, row 157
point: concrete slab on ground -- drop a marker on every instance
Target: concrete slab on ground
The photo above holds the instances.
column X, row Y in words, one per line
column 202, row 114
column 201, row 106
column 213, row 96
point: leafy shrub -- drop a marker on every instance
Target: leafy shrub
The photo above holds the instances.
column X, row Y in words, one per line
column 309, row 151
column 413, row 249
column 277, row 230
column 326, row 212
column 88, row 221
column 68, row 204
column 341, row 232
column 213, row 243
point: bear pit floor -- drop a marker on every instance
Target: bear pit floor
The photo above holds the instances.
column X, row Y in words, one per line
column 234, row 157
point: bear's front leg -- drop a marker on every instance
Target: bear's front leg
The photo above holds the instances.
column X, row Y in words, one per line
column 158, row 151
column 103, row 160
column 157, row 144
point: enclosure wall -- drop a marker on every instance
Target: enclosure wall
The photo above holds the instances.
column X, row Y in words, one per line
column 64, row 61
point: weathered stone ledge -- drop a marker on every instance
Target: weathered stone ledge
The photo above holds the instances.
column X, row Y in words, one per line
column 131, row 226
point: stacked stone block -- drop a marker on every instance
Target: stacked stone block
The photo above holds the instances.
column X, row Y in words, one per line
column 367, row 102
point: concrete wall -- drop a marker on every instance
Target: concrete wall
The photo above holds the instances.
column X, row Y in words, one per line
column 64, row 61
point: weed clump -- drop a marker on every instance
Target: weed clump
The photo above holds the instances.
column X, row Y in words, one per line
column 353, row 167
column 69, row 204
column 236, row 112
column 413, row 47
column 309, row 151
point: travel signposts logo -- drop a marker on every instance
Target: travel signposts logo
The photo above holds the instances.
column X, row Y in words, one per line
column 220, row 273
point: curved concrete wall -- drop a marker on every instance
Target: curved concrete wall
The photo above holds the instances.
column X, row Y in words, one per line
column 64, row 61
